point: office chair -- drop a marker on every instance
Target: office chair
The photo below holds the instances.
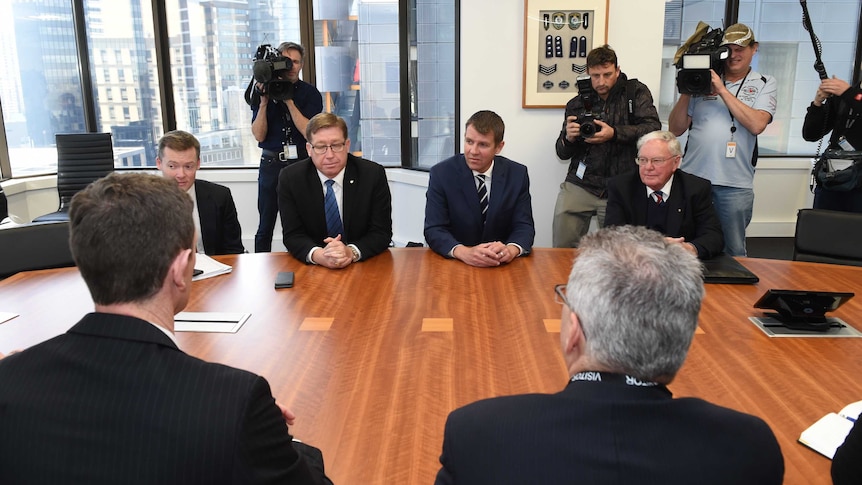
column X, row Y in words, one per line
column 824, row 236
column 37, row 245
column 4, row 206
column 82, row 158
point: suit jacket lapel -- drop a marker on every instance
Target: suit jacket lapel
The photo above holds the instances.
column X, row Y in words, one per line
column 675, row 206
column 467, row 186
column 349, row 190
column 314, row 204
column 206, row 214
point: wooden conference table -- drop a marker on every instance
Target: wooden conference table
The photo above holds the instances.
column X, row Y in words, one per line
column 372, row 358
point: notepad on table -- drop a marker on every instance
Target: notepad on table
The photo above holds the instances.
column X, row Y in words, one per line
column 209, row 267
column 218, row 322
column 830, row 431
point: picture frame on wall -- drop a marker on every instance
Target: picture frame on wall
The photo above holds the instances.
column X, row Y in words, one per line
column 558, row 34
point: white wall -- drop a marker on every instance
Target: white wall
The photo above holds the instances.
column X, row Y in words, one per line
column 491, row 43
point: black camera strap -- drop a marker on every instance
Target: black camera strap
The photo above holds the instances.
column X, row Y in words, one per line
column 732, row 119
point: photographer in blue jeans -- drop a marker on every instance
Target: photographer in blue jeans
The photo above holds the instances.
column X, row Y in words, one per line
column 279, row 127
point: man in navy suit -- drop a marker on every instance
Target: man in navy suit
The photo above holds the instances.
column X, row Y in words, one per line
column 215, row 215
column 335, row 207
column 629, row 314
column 478, row 205
column 662, row 197
column 114, row 400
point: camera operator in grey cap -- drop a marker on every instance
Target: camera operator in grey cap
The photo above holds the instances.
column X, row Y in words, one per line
column 723, row 128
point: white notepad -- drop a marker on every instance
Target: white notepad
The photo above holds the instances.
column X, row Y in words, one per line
column 218, row 322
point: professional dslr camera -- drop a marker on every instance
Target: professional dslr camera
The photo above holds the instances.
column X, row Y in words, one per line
column 587, row 116
column 269, row 65
column 700, row 53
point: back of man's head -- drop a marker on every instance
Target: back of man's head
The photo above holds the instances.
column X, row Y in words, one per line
column 637, row 298
column 602, row 55
column 485, row 122
column 125, row 230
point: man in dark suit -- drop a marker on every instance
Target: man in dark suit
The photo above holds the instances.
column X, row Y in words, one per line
column 662, row 197
column 114, row 400
column 335, row 208
column 215, row 215
column 478, row 205
column 629, row 314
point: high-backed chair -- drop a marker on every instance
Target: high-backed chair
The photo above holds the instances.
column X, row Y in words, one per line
column 81, row 159
column 38, row 245
column 825, row 236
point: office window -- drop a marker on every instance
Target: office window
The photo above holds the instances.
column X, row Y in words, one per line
column 785, row 52
column 40, row 89
column 126, row 26
column 358, row 58
column 212, row 47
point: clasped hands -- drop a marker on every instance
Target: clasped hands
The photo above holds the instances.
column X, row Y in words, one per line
column 486, row 255
column 334, row 255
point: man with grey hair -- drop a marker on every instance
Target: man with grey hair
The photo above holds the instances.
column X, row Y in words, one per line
column 629, row 314
column 662, row 197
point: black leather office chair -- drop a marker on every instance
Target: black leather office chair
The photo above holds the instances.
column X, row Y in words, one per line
column 824, row 236
column 4, row 205
column 38, row 245
column 81, row 159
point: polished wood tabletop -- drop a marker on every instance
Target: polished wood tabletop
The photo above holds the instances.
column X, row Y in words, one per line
column 374, row 357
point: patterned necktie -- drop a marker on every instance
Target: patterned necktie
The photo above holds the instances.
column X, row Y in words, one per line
column 483, row 195
column 658, row 197
column 333, row 218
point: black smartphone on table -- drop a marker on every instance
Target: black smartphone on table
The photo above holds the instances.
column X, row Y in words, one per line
column 284, row 279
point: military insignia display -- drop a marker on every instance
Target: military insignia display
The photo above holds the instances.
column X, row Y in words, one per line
column 563, row 34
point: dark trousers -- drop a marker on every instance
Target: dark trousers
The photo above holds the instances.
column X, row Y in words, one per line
column 267, row 201
column 847, row 201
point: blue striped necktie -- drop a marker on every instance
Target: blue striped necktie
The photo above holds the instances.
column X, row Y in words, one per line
column 333, row 218
column 483, row 195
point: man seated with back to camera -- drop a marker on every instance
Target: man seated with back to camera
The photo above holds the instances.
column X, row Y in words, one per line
column 216, row 221
column 478, row 207
column 335, row 207
column 114, row 400
column 279, row 127
column 666, row 199
column 615, row 421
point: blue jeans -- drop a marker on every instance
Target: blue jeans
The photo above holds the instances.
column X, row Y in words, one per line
column 733, row 206
column 267, row 201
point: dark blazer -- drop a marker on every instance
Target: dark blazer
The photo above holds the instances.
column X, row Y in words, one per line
column 220, row 230
column 453, row 216
column 367, row 217
column 606, row 433
column 847, row 462
column 114, row 401
column 690, row 211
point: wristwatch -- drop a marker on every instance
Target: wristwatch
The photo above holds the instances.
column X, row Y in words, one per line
column 355, row 253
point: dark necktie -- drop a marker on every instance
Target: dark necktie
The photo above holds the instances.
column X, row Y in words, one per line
column 333, row 218
column 483, row 195
column 658, row 198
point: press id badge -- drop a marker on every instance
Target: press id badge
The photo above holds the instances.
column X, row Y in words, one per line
column 730, row 151
column 290, row 152
column 582, row 169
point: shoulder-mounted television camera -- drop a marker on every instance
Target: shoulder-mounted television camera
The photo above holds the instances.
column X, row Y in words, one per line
column 270, row 70
column 700, row 53
column 589, row 114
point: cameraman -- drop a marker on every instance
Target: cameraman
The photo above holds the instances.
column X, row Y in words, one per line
column 837, row 107
column 723, row 128
column 623, row 111
column 278, row 126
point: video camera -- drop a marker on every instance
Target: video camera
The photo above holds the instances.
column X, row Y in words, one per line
column 269, row 66
column 704, row 52
column 587, row 116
